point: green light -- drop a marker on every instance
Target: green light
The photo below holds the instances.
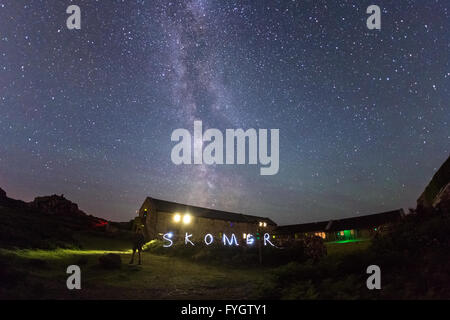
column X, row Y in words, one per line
column 346, row 241
column 347, row 234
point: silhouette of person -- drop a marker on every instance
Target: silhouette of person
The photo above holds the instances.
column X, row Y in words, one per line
column 138, row 242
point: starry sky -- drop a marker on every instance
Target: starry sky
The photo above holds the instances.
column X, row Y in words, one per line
column 363, row 114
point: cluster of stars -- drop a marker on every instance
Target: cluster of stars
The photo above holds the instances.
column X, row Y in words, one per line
column 363, row 114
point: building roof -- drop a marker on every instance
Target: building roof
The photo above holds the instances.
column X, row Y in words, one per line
column 302, row 228
column 168, row 206
column 361, row 222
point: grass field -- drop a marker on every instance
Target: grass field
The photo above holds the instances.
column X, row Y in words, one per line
column 42, row 274
column 346, row 247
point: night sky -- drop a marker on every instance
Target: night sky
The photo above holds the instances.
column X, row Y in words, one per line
column 363, row 114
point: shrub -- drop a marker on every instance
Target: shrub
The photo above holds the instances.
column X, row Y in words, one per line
column 230, row 255
column 414, row 234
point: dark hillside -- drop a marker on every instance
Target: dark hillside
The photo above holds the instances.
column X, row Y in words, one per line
column 47, row 223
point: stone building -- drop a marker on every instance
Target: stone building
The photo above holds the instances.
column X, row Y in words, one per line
column 347, row 229
column 160, row 217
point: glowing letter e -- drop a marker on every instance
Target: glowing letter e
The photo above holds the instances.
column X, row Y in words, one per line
column 230, row 241
column 250, row 239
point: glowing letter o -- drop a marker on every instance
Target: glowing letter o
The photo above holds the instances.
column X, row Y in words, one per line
column 212, row 239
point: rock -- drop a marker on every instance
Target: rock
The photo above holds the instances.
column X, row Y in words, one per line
column 57, row 205
column 110, row 261
column 442, row 200
column 7, row 202
column 440, row 179
column 2, row 194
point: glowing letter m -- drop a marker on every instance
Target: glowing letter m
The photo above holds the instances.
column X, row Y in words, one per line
column 228, row 241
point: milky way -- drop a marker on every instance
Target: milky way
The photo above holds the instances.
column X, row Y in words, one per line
column 363, row 114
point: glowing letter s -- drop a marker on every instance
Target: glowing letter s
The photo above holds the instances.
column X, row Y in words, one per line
column 167, row 237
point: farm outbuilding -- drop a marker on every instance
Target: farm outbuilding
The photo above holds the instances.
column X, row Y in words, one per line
column 348, row 229
column 160, row 217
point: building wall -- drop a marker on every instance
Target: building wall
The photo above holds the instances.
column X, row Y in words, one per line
column 329, row 236
column 149, row 221
column 158, row 223
column 200, row 226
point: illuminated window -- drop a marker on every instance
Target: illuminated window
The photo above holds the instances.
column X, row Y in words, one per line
column 187, row 218
column 320, row 234
column 260, row 224
column 342, row 233
column 265, row 224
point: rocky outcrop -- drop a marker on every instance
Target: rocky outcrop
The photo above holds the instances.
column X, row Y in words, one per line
column 56, row 205
column 442, row 200
column 8, row 202
column 437, row 185
column 47, row 223
column 2, row 194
